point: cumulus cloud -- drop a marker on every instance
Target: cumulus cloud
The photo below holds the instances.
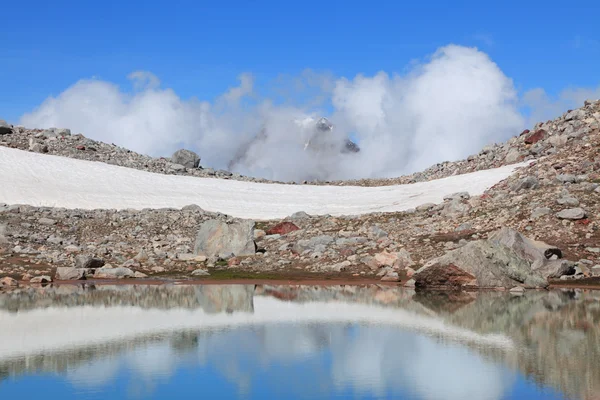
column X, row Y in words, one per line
column 444, row 108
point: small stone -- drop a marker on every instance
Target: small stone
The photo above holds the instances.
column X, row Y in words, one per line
column 46, row 221
column 138, row 274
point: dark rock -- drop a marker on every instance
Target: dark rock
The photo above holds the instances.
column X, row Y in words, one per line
column 86, row 261
column 5, row 128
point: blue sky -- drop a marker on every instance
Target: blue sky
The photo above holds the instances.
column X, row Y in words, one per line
column 198, row 48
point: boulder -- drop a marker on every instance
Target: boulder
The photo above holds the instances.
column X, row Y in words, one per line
column 282, row 228
column 200, row 272
column 317, row 243
column 5, row 128
column 69, row 273
column 529, row 182
column 187, row 158
column 512, row 156
column 108, row 272
column 86, row 261
column 217, row 238
column 41, row 279
column 507, row 259
column 571, row 214
column 534, row 137
column 8, row 282
column 299, row 215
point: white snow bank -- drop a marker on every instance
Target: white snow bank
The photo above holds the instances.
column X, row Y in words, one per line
column 53, row 181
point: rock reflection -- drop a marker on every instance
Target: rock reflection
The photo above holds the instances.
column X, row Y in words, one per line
column 373, row 339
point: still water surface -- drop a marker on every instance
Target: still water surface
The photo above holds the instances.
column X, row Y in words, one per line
column 296, row 342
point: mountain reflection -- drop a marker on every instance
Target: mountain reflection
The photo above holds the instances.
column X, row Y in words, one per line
column 307, row 340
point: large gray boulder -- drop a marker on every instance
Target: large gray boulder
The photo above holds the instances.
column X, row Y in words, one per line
column 217, row 238
column 70, row 273
column 507, row 259
column 187, row 158
column 107, row 272
column 5, row 128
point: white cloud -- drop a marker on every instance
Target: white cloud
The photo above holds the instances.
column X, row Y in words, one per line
column 543, row 107
column 444, row 108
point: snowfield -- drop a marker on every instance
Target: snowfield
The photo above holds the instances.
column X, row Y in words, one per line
column 53, row 181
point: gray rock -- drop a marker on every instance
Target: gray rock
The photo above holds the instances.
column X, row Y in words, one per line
column 455, row 207
column 529, row 182
column 315, row 244
column 70, row 273
column 177, row 167
column 571, row 214
column 566, row 178
column 5, row 128
column 46, row 221
column 299, row 215
column 217, row 238
column 377, row 232
column 192, row 207
column 513, row 156
column 575, row 115
column 540, row 212
column 187, row 158
column 86, row 261
column 458, row 196
column 200, row 272
column 108, row 272
column 37, row 147
column 558, row 140
column 506, row 259
column 568, row 201
column 425, row 207
column 63, row 132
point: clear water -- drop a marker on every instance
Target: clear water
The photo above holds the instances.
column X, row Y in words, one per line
column 296, row 342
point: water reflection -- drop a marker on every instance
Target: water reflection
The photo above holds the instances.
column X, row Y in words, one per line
column 300, row 342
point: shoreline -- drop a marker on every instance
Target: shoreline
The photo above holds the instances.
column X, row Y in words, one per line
column 585, row 284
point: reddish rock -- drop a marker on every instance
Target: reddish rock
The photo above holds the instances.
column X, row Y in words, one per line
column 535, row 136
column 525, row 132
column 80, row 147
column 8, row 282
column 233, row 261
column 584, row 221
column 346, row 252
column 444, row 277
column 283, row 228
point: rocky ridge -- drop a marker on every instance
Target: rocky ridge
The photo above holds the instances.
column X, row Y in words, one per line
column 544, row 139
column 555, row 200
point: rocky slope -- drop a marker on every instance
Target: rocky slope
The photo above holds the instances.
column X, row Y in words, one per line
column 554, row 200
